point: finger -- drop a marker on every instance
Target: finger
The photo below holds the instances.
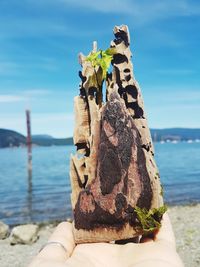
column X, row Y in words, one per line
column 63, row 234
column 165, row 233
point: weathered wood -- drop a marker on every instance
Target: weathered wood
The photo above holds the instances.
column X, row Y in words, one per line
column 117, row 171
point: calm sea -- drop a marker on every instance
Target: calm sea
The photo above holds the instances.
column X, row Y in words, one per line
column 46, row 195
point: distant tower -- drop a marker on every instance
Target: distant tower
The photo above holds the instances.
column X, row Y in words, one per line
column 29, row 140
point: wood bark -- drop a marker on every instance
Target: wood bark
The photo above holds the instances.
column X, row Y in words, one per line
column 116, row 169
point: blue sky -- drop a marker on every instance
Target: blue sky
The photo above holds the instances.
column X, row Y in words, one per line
column 40, row 41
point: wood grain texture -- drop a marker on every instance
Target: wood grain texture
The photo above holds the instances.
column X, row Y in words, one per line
column 117, row 170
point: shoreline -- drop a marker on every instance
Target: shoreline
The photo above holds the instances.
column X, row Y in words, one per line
column 184, row 218
column 70, row 219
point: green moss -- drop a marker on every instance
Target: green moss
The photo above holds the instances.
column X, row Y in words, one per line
column 149, row 220
column 162, row 191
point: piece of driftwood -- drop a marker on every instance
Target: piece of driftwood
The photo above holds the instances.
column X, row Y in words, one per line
column 114, row 170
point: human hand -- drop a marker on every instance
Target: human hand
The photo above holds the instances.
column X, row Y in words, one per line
column 159, row 251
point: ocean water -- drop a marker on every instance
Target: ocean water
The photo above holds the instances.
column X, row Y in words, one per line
column 46, row 195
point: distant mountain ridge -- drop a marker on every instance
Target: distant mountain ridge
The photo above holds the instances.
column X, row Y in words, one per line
column 52, row 141
column 10, row 138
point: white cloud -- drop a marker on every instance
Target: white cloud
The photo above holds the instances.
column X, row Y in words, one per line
column 143, row 10
column 157, row 37
column 13, row 122
column 52, row 117
column 56, row 124
column 37, row 92
column 176, row 71
column 48, row 27
column 137, row 11
column 164, row 98
column 104, row 6
column 11, row 98
column 21, row 26
column 21, row 66
column 26, row 96
column 7, row 67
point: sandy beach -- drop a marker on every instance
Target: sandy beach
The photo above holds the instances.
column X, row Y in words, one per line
column 185, row 221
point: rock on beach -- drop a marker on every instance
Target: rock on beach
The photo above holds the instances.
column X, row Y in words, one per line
column 24, row 234
column 185, row 221
column 4, row 230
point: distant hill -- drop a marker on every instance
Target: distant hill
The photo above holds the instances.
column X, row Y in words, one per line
column 9, row 138
column 178, row 134
column 41, row 136
column 52, row 141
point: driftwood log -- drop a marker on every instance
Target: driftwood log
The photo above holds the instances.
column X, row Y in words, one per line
column 114, row 169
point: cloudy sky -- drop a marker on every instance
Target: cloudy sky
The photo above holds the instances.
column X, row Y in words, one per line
column 40, row 41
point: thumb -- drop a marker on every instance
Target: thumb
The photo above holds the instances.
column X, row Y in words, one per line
column 165, row 233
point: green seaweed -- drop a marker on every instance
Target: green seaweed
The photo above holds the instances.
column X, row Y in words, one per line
column 149, row 220
column 102, row 59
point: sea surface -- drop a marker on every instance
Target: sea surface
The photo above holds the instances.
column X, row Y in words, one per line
column 45, row 196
